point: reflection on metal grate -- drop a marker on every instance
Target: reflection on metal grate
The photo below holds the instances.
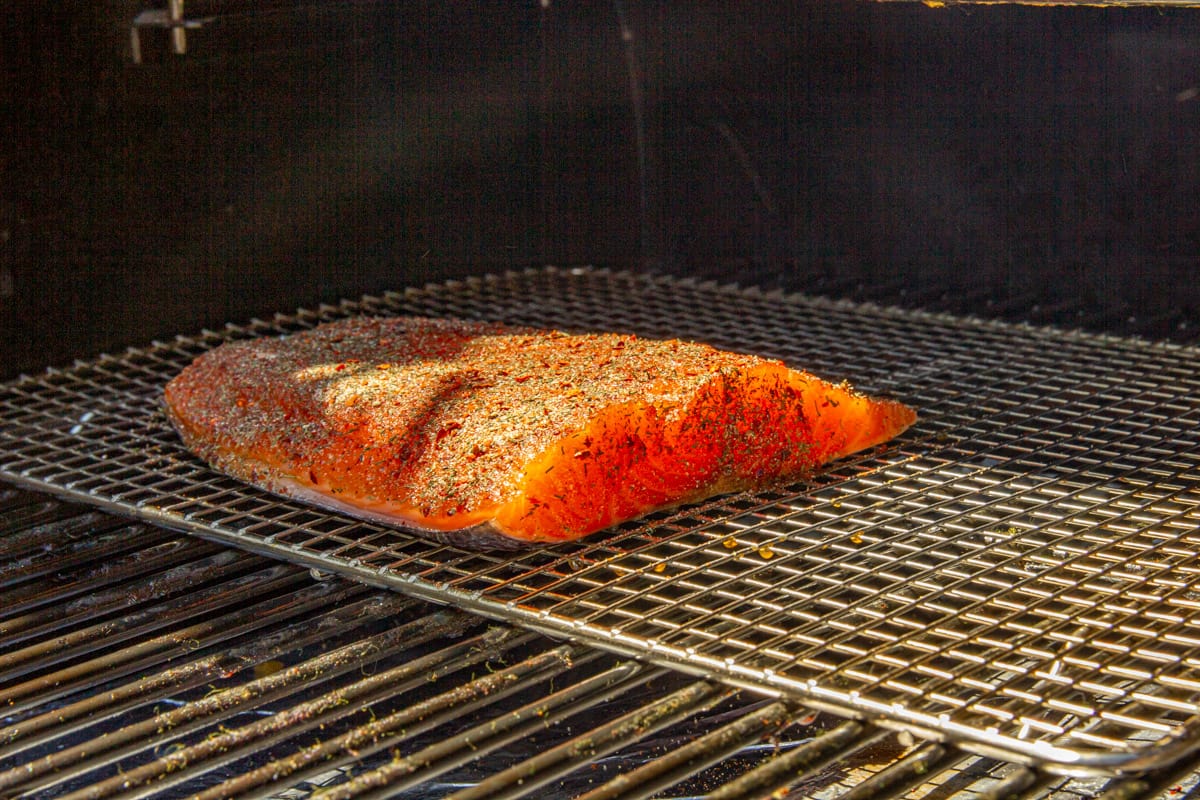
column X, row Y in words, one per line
column 137, row 662
column 1016, row 574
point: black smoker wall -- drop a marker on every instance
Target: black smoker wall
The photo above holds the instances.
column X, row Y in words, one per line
column 307, row 151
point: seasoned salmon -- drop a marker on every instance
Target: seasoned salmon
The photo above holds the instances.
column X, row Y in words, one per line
column 487, row 435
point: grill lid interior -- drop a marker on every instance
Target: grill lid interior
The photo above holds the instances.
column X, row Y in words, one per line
column 1016, row 573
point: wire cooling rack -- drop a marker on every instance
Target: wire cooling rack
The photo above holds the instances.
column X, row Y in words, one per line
column 1017, row 573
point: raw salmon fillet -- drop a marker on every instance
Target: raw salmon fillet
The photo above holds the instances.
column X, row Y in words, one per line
column 489, row 436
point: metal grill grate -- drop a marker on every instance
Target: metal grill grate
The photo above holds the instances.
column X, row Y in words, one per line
column 139, row 663
column 1016, row 573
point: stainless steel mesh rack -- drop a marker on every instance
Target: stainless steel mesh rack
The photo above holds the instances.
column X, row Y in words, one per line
column 137, row 662
column 1015, row 575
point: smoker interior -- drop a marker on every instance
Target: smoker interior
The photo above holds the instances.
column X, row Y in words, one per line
column 1028, row 164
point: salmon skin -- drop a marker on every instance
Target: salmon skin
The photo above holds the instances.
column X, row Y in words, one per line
column 490, row 436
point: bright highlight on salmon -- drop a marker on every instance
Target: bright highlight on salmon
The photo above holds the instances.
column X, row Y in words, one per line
column 487, row 435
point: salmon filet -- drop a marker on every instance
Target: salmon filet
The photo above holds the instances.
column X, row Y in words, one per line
column 487, row 435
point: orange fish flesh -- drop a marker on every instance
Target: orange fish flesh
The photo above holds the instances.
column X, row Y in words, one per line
column 487, row 435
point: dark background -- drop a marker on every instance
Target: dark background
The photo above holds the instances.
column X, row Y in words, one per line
column 1024, row 162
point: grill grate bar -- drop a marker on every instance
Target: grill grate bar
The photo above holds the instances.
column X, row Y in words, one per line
column 711, row 748
column 224, row 747
column 165, row 727
column 463, row 748
column 1167, row 783
column 113, row 537
column 1020, row 782
column 778, row 774
column 109, row 587
column 69, row 721
column 903, row 774
column 550, row 764
column 86, row 653
column 99, row 576
column 98, row 672
column 29, row 522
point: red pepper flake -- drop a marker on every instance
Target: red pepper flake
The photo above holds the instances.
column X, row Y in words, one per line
column 340, row 367
column 522, row 378
column 447, row 429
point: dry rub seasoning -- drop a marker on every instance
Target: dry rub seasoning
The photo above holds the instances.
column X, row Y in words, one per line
column 490, row 435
